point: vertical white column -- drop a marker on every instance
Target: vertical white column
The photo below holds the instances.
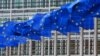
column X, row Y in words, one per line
column 68, row 44
column 1, row 51
column 40, row 3
column 76, row 44
column 18, row 53
column 89, row 38
column 61, row 45
column 81, row 41
column 55, row 44
column 48, row 46
column 22, row 45
column 10, row 10
column 30, row 47
column 42, row 46
column 22, row 49
column 36, row 4
column 10, row 51
column 23, row 9
column 27, row 47
column 95, row 36
column 84, row 46
column 49, row 38
column 10, row 20
column 45, row 3
column 49, row 6
column 6, row 51
column 2, row 5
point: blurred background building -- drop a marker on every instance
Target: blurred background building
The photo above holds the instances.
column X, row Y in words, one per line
column 21, row 10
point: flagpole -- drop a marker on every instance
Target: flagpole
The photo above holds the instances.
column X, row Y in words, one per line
column 10, row 20
column 68, row 44
column 30, row 47
column 49, row 38
column 6, row 51
column 55, row 44
column 18, row 54
column 10, row 10
column 42, row 46
column 89, row 39
column 1, row 48
column 95, row 36
column 30, row 41
column 1, row 51
column 81, row 41
column 21, row 46
column 84, row 50
column 61, row 44
column 76, row 45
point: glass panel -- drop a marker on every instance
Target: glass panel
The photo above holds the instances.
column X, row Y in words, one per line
column 17, row 3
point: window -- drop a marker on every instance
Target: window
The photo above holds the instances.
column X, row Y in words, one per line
column 17, row 3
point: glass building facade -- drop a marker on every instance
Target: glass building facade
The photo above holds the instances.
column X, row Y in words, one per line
column 5, row 4
column 21, row 10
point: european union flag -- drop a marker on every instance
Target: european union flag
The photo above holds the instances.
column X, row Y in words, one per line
column 59, row 20
column 7, row 28
column 7, row 34
column 45, row 32
column 91, row 1
column 66, row 19
column 36, row 34
column 88, row 23
column 2, row 40
column 12, row 40
column 10, row 43
column 70, row 27
column 84, row 11
column 36, row 20
column 55, row 19
column 19, row 39
column 21, row 28
column 71, row 6
column 84, row 22
column 33, row 35
column 2, row 45
column 88, row 7
column 32, row 29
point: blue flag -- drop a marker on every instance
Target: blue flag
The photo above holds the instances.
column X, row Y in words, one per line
column 7, row 34
column 21, row 28
column 88, row 23
column 7, row 28
column 83, row 11
column 36, row 20
column 29, row 27
column 33, row 35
